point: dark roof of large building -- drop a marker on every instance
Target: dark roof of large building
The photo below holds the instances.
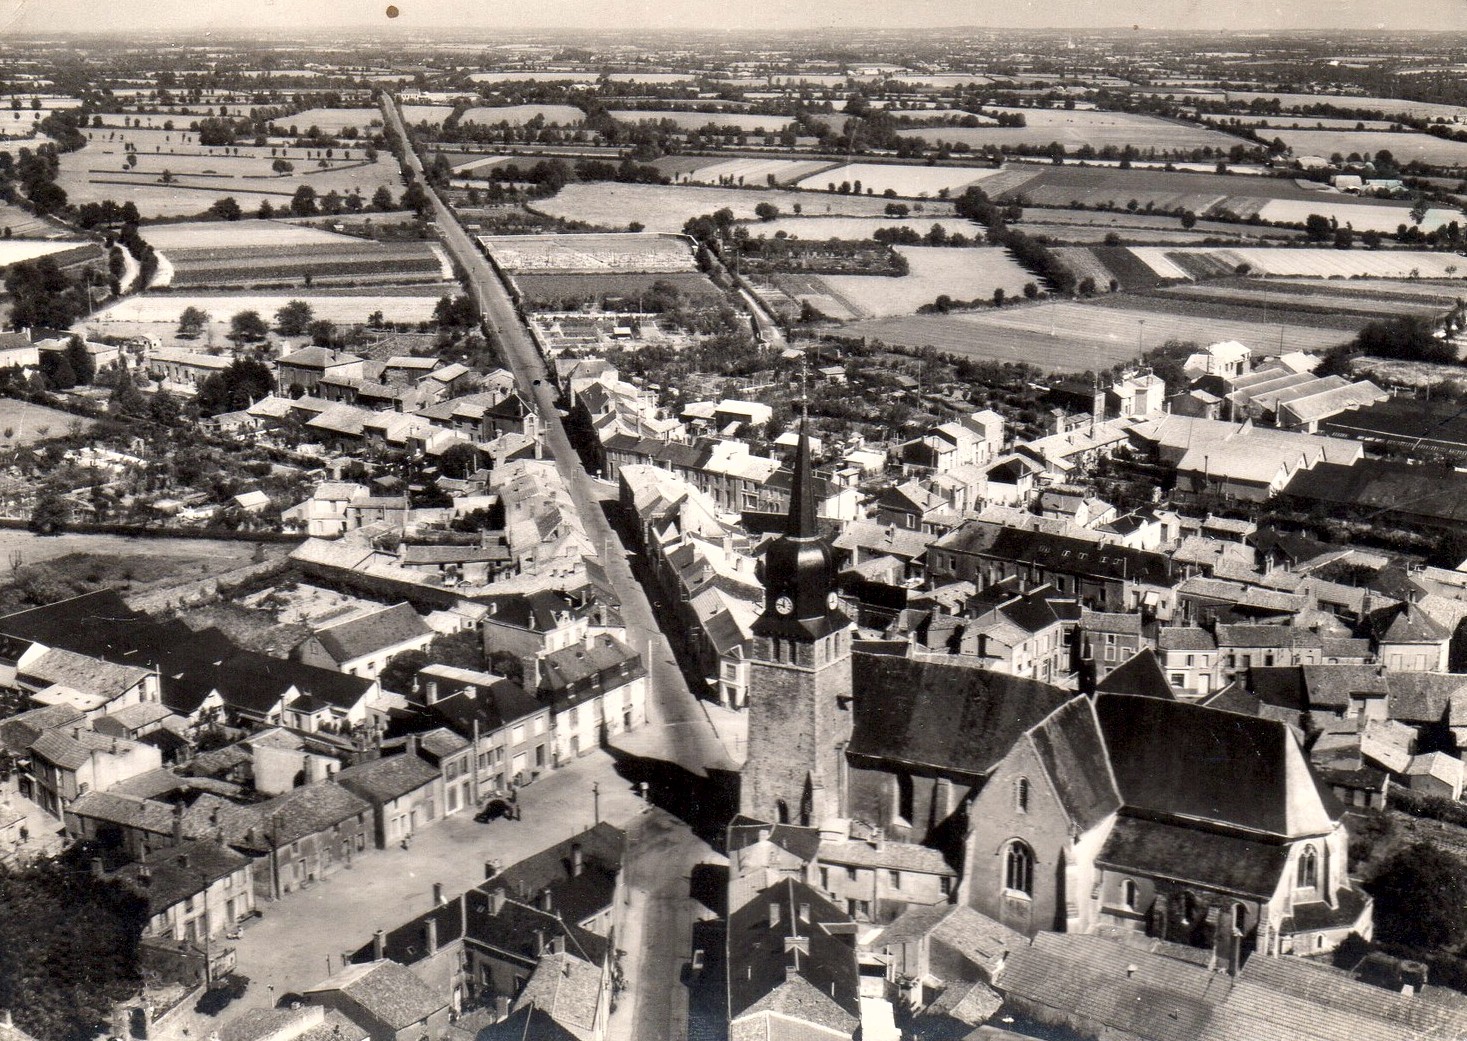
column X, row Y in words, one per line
column 493, row 707
column 1194, row 855
column 575, row 896
column 793, row 953
column 383, row 780
column 1082, row 557
column 1141, row 674
column 1184, row 763
column 368, row 633
column 387, row 992
column 1432, row 494
column 1069, row 745
column 943, row 717
column 169, row 876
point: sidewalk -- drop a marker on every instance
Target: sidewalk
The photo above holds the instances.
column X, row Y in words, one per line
column 43, row 831
column 304, row 935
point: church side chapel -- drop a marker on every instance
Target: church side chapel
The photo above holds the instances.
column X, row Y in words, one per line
column 1045, row 809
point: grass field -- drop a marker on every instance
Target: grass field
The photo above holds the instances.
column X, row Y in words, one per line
column 30, row 423
column 963, row 273
column 748, row 122
column 666, row 208
column 590, row 254
column 1318, row 263
column 753, row 172
column 1382, row 216
column 518, row 115
column 240, row 233
column 1403, row 145
column 909, row 182
column 1389, row 106
column 331, row 120
column 1084, row 336
column 1268, row 296
column 202, row 175
column 546, row 292
column 342, row 308
column 1314, row 122
column 1079, row 128
column 24, row 224
column 851, row 227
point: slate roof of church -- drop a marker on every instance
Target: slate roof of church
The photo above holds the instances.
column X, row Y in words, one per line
column 1070, row 746
column 1188, row 854
column 947, row 718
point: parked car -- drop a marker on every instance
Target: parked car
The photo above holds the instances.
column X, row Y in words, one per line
column 494, row 809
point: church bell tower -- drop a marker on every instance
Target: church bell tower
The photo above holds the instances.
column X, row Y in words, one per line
column 800, row 674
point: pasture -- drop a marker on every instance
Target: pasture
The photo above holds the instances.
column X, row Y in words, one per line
column 562, row 292
column 242, row 233
column 590, row 254
column 1389, row 106
column 1361, row 216
column 23, row 423
column 962, row 273
column 1075, row 129
column 519, row 115
column 13, row 251
column 908, row 182
column 1405, row 146
column 199, row 175
column 1076, row 337
column 666, row 208
column 685, row 119
column 331, row 120
column 756, row 173
column 343, row 308
column 850, row 227
column 433, row 115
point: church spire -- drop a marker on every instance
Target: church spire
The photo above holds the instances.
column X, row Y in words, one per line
column 802, row 488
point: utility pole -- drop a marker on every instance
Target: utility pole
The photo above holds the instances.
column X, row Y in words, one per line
column 596, row 800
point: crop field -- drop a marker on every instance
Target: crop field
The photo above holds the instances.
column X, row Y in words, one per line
column 203, row 234
column 1314, row 122
column 433, row 115
column 1404, row 145
column 179, row 115
column 13, row 251
column 590, row 254
column 332, row 120
column 910, row 182
column 852, row 227
column 1318, row 263
column 1382, row 216
column 27, row 423
column 519, row 115
column 754, row 172
column 27, row 225
column 1080, row 233
column 666, row 208
column 1077, row 129
column 349, row 260
column 1075, row 337
column 1445, row 293
column 201, row 175
column 546, row 292
column 748, row 122
column 963, row 273
column 1390, row 106
column 1268, row 296
column 533, row 77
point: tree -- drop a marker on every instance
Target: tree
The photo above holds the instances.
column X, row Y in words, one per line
column 1421, row 898
column 455, row 312
column 415, row 198
column 41, row 294
column 192, row 322
column 245, row 381
column 401, row 670
column 1317, row 227
column 303, row 202
column 248, row 327
column 69, row 947
column 80, row 360
column 293, row 318
column 1344, row 238
column 459, row 461
column 382, row 199
column 766, row 211
column 49, row 515
column 283, row 166
column 226, row 209
column 164, row 409
column 125, row 399
column 322, row 332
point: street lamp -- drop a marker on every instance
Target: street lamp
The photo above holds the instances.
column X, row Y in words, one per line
column 596, row 800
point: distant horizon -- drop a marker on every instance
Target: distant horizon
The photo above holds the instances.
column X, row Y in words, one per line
column 269, row 17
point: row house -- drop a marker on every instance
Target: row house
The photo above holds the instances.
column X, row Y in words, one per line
column 508, row 730
column 196, row 891
column 71, row 761
column 363, row 645
column 595, row 690
column 406, row 793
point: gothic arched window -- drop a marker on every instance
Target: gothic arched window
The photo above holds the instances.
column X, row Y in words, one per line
column 1130, row 894
column 1308, row 868
column 1019, row 869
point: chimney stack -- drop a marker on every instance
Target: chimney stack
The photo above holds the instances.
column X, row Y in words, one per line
column 412, row 744
column 437, row 894
column 577, row 861
column 96, row 873
column 178, row 823
column 496, row 901
column 379, row 945
column 545, row 899
column 539, row 943
column 491, row 868
column 430, row 929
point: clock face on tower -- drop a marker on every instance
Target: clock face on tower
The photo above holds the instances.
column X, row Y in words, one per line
column 832, row 601
column 784, row 605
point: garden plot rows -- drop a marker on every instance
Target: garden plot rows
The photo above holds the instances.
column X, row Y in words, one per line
column 666, row 208
column 589, row 254
column 353, row 261
column 1185, row 264
column 748, row 122
column 1074, row 337
column 910, row 182
column 519, row 115
column 24, row 224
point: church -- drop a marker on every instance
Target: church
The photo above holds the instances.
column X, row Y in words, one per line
column 920, row 781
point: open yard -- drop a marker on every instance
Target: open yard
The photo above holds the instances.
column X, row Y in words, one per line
column 1075, row 129
column 909, row 182
column 518, row 115
column 1403, row 145
column 589, row 254
column 666, row 208
column 24, row 423
column 962, row 273
column 1075, row 337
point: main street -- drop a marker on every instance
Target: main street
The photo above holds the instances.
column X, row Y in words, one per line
column 679, row 728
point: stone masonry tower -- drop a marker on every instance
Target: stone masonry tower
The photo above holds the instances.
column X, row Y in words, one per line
column 800, row 675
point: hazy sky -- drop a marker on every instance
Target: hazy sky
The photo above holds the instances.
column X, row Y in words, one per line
column 235, row 15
